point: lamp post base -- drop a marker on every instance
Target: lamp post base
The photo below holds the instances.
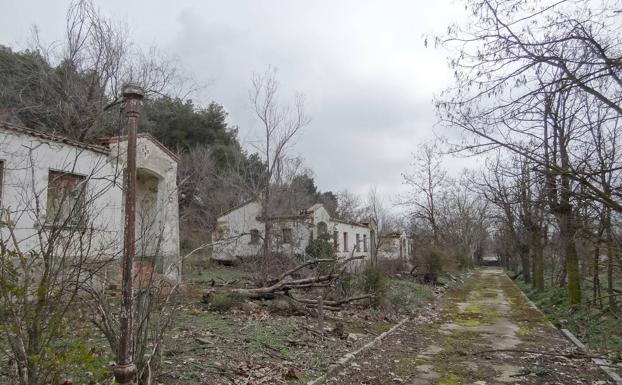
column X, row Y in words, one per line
column 124, row 374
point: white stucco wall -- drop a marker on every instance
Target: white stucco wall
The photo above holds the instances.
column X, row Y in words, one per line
column 232, row 236
column 153, row 161
column 28, row 160
column 233, row 233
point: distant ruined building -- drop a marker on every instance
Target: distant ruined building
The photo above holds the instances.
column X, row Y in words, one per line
column 239, row 233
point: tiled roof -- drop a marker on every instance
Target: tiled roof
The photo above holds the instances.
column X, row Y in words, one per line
column 53, row 137
column 101, row 148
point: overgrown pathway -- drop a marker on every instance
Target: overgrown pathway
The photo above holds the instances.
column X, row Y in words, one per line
column 483, row 333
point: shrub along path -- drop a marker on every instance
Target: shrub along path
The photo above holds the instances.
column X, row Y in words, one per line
column 484, row 332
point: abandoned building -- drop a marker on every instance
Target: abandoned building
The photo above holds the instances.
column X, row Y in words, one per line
column 239, row 233
column 395, row 246
column 50, row 182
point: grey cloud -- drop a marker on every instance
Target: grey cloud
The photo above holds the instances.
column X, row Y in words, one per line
column 367, row 78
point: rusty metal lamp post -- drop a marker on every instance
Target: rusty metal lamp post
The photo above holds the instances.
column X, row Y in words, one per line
column 125, row 370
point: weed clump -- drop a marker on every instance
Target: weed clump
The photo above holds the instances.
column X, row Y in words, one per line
column 373, row 281
column 225, row 301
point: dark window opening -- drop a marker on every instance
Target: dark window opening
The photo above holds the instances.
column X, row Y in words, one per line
column 322, row 228
column 287, row 235
column 254, row 237
column 65, row 200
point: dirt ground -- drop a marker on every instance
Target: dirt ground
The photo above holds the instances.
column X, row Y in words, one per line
column 269, row 344
column 484, row 332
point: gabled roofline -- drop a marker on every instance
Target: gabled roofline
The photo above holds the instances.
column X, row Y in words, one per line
column 53, row 137
column 101, row 148
column 305, row 214
column 352, row 223
column 146, row 135
column 396, row 234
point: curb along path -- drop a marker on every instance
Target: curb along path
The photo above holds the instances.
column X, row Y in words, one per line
column 486, row 332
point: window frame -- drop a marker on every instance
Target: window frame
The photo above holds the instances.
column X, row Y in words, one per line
column 255, row 237
column 289, row 238
column 55, row 220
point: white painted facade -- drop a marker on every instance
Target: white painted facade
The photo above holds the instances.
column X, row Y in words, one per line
column 239, row 233
column 29, row 158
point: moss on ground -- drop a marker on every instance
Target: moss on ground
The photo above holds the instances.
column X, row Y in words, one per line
column 408, row 365
column 467, row 322
column 450, row 379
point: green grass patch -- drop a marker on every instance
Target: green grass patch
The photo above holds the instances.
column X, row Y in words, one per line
column 524, row 331
column 271, row 338
column 407, row 295
column 595, row 327
column 467, row 322
column 450, row 379
column 408, row 365
column 380, row 327
column 225, row 301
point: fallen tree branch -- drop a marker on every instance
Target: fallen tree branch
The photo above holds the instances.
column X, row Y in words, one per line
column 308, row 301
column 285, row 284
column 300, row 267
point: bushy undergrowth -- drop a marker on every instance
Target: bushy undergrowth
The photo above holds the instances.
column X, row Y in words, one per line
column 407, row 293
column 390, row 293
column 373, row 281
column 321, row 247
column 598, row 329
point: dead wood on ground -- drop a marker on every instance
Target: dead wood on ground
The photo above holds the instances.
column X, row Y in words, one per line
column 285, row 282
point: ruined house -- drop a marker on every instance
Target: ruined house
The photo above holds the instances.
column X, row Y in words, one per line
column 50, row 183
column 395, row 246
column 239, row 233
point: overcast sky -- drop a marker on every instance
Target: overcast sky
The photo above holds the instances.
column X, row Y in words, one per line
column 362, row 65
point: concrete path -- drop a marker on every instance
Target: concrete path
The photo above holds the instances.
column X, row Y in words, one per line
column 484, row 332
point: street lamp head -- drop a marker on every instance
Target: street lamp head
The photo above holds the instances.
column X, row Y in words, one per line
column 133, row 91
column 133, row 100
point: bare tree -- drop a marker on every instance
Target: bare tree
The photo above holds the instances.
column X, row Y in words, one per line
column 73, row 87
column 529, row 77
column 279, row 126
column 427, row 179
column 43, row 270
column 349, row 206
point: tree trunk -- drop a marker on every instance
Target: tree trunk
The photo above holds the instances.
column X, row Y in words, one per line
column 610, row 258
column 538, row 268
column 573, row 275
column 267, row 238
column 596, row 275
column 524, row 259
